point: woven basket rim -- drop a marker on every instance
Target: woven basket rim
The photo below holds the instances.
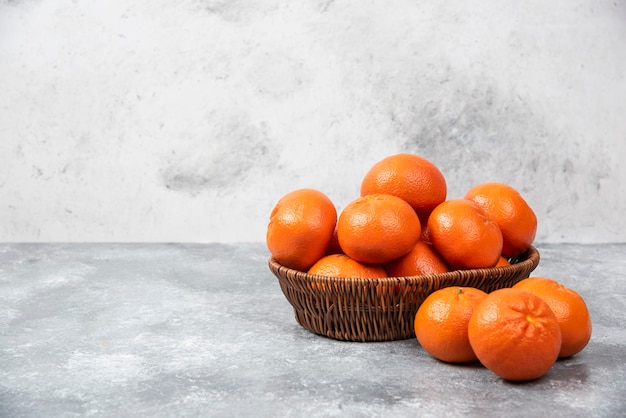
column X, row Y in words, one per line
column 381, row 309
column 529, row 261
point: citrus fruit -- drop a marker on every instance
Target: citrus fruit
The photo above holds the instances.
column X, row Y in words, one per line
column 502, row 261
column 425, row 233
column 464, row 236
column 340, row 265
column 508, row 209
column 515, row 334
column 300, row 228
column 410, row 177
column 421, row 260
column 333, row 245
column 569, row 308
column 441, row 323
column 377, row 228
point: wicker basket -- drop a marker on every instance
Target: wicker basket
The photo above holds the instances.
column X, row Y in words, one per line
column 383, row 309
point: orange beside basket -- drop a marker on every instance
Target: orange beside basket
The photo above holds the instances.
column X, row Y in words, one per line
column 356, row 309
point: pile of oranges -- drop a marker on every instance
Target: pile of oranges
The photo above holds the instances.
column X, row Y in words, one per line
column 518, row 333
column 403, row 224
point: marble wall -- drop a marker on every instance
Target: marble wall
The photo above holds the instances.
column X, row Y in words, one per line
column 186, row 121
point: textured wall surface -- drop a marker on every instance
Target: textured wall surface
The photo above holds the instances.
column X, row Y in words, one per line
column 186, row 121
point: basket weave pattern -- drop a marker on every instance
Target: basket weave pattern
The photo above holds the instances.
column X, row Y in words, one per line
column 356, row 309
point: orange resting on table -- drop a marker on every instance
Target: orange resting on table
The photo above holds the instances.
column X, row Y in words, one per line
column 441, row 323
column 570, row 310
column 515, row 334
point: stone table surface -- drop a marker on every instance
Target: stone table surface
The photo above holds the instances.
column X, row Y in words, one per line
column 204, row 330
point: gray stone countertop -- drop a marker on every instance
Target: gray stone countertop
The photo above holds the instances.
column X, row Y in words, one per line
column 204, row 330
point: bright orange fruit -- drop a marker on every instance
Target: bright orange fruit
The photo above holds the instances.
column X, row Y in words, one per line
column 508, row 209
column 410, row 177
column 441, row 323
column 515, row 334
column 502, row 261
column 570, row 310
column 464, row 236
column 377, row 228
column 300, row 228
column 340, row 265
column 333, row 245
column 421, row 260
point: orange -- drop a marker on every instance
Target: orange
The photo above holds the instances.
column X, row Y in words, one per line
column 515, row 334
column 377, row 228
column 570, row 310
column 333, row 245
column 421, row 260
column 507, row 208
column 425, row 233
column 441, row 323
column 410, row 177
column 300, row 228
column 464, row 236
column 502, row 261
column 340, row 265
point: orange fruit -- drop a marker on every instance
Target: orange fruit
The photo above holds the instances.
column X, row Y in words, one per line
column 502, row 261
column 515, row 334
column 410, row 177
column 508, row 209
column 333, row 245
column 425, row 233
column 377, row 228
column 464, row 236
column 340, row 265
column 421, row 260
column 441, row 323
column 300, row 228
column 569, row 308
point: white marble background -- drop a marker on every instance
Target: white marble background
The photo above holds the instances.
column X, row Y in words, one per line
column 186, row 121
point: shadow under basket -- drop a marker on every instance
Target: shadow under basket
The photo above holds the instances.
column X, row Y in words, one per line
column 357, row 309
